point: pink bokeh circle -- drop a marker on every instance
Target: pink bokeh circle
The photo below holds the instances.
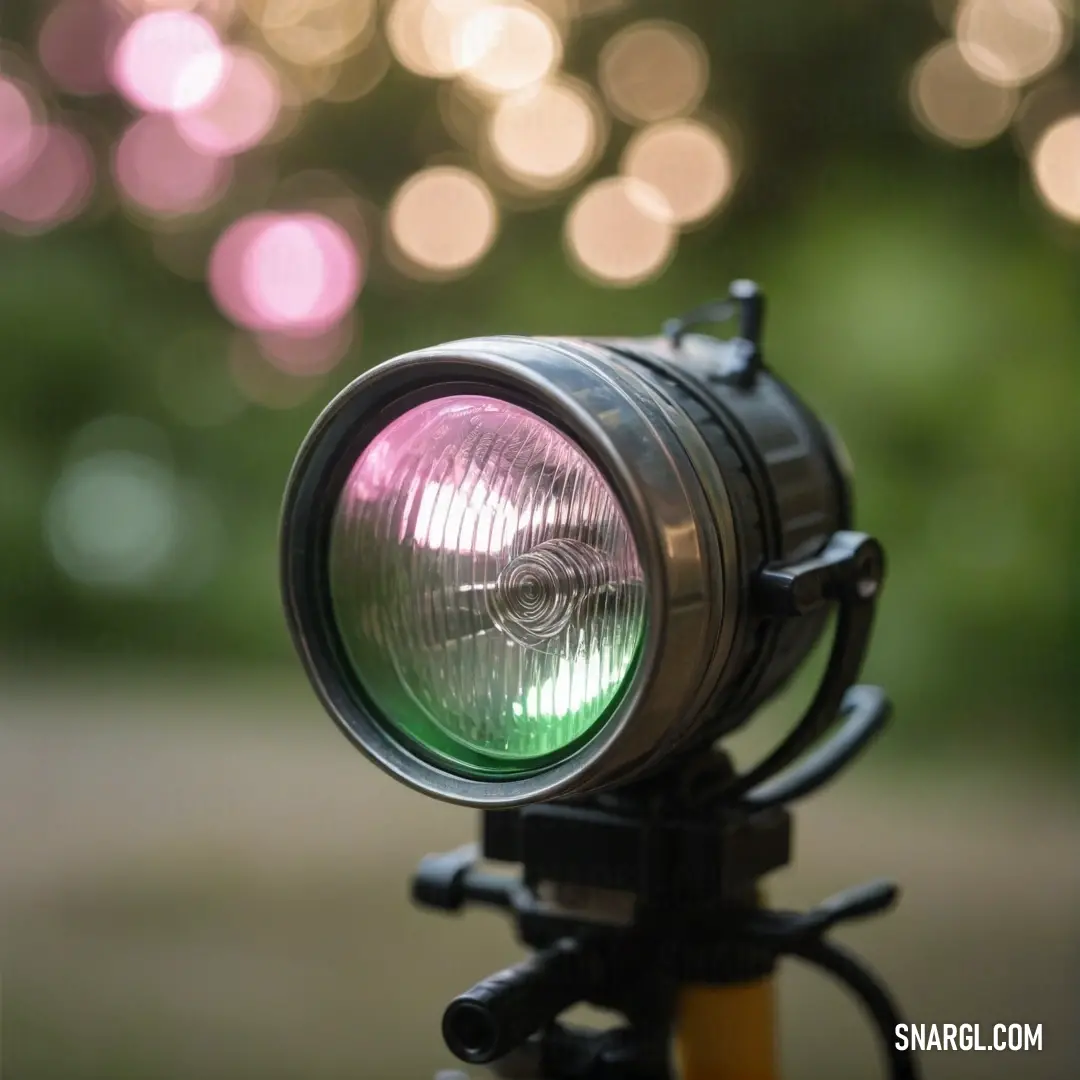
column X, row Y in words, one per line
column 240, row 112
column 55, row 186
column 298, row 272
column 21, row 134
column 76, row 43
column 155, row 168
column 169, row 61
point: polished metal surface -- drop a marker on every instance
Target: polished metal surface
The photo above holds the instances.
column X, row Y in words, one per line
column 723, row 567
column 655, row 464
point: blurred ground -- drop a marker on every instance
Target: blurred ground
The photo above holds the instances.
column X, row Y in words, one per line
column 201, row 879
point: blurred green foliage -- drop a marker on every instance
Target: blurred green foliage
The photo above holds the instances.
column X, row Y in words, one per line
column 919, row 297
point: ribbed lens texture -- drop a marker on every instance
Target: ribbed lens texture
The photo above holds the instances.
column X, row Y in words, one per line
column 484, row 580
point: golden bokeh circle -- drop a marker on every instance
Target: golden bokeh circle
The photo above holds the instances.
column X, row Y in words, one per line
column 1011, row 42
column 547, row 135
column 687, row 162
column 443, row 220
column 1055, row 167
column 620, row 231
column 954, row 103
column 653, row 70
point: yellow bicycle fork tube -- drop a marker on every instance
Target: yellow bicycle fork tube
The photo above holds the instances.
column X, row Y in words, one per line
column 726, row 1032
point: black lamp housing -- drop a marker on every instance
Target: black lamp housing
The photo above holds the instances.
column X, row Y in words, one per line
column 739, row 501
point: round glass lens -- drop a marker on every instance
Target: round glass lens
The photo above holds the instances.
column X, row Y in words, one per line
column 485, row 582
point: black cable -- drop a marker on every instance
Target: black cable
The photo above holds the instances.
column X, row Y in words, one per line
column 846, row 968
column 868, row 710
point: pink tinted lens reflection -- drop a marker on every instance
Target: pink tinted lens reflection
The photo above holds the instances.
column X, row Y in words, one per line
column 485, row 580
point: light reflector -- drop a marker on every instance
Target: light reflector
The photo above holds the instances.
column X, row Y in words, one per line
column 485, row 583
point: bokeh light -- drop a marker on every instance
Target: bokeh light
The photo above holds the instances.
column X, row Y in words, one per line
column 405, row 36
column 331, row 194
column 241, row 111
column 1011, row 41
column 498, row 47
column 506, row 47
column 687, row 162
column 621, row 231
column 548, row 135
column 160, row 172
column 302, row 272
column 314, row 32
column 120, row 517
column 653, row 70
column 76, row 43
column 1055, row 166
column 442, row 220
column 296, row 272
column 20, row 132
column 114, row 519
column 424, row 35
column 954, row 103
column 169, row 61
column 55, row 186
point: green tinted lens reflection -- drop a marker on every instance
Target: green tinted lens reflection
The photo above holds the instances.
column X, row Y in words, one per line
column 485, row 583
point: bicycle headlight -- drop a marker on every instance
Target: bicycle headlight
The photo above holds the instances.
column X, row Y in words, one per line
column 521, row 568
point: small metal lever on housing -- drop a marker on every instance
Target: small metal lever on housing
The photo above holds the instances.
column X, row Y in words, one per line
column 746, row 302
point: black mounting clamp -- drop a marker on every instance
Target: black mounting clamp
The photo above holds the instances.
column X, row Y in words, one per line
column 685, row 857
column 512, row 1014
